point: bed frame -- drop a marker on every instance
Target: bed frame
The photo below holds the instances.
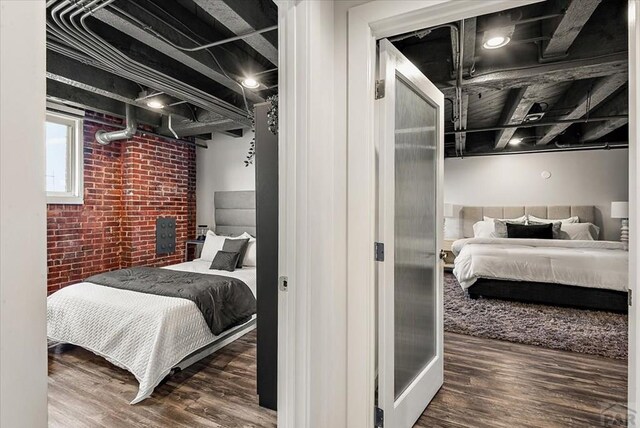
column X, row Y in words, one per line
column 550, row 294
column 235, row 213
column 540, row 292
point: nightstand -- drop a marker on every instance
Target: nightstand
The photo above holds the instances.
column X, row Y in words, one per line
column 449, row 257
column 197, row 245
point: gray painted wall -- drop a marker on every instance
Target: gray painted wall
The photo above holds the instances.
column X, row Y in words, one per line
column 221, row 167
column 578, row 178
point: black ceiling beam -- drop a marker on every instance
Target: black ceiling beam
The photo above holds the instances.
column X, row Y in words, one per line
column 243, row 17
column 580, row 99
column 201, row 61
column 89, row 78
column 87, row 100
column 618, row 105
column 535, row 73
column 227, row 103
column 564, row 30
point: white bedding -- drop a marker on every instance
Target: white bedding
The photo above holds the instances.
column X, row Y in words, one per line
column 143, row 333
column 595, row 264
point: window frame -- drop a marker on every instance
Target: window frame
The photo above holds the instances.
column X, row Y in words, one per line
column 75, row 160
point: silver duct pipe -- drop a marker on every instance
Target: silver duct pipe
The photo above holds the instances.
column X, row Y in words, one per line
column 104, row 137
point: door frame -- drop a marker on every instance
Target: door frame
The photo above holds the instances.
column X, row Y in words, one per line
column 366, row 24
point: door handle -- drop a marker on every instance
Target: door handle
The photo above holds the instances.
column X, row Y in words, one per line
column 443, row 254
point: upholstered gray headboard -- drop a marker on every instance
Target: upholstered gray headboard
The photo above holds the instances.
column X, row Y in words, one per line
column 235, row 212
column 470, row 215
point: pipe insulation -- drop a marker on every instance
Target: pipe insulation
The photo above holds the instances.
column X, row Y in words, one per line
column 104, row 138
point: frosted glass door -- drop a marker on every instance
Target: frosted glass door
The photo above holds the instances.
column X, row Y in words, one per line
column 410, row 315
column 415, row 253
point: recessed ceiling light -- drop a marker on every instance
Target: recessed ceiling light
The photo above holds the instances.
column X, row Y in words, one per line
column 495, row 42
column 533, row 117
column 515, row 141
column 155, row 104
column 250, row 83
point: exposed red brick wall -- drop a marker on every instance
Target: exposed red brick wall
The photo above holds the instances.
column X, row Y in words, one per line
column 127, row 185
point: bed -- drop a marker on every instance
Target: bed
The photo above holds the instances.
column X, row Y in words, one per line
column 590, row 274
column 153, row 335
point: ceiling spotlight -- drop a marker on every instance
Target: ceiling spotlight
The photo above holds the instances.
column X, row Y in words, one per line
column 250, row 82
column 500, row 34
column 155, row 104
column 533, row 117
column 496, row 42
column 515, row 141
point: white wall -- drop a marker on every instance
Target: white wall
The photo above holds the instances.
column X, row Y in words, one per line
column 23, row 256
column 221, row 167
column 578, row 178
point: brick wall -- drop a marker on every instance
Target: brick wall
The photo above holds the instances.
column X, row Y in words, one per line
column 127, row 185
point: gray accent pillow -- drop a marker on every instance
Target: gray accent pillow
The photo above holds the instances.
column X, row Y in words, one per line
column 500, row 226
column 236, row 246
column 557, row 226
column 225, row 260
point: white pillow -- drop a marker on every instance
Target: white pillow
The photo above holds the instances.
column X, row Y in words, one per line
column 579, row 231
column 569, row 220
column 484, row 229
column 212, row 244
column 519, row 220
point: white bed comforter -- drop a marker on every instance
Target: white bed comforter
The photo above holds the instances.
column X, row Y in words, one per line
column 595, row 264
column 143, row 333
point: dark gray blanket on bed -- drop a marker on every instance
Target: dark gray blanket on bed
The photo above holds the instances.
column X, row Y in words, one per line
column 223, row 301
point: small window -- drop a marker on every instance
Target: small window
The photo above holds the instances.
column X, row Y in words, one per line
column 64, row 159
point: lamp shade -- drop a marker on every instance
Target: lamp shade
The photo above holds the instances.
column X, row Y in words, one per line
column 448, row 210
column 619, row 209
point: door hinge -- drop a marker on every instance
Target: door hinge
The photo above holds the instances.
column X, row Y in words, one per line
column 378, row 417
column 378, row 251
column 630, row 294
column 379, row 89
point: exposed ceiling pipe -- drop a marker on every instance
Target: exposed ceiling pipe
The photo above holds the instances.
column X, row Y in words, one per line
column 459, row 84
column 104, row 137
column 74, row 32
column 536, row 124
column 212, row 44
column 601, row 146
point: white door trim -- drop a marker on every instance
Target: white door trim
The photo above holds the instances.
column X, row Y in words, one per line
column 312, row 250
column 292, row 383
column 634, row 212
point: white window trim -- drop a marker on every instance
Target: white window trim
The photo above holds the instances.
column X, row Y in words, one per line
column 76, row 196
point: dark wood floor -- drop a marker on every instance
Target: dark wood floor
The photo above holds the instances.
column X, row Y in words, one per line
column 488, row 383
column 492, row 383
column 219, row 391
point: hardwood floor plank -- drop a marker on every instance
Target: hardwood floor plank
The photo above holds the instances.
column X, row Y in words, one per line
column 488, row 383
column 491, row 383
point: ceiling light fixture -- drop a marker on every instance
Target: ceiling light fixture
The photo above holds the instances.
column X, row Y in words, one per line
column 496, row 42
column 250, row 82
column 500, row 34
column 515, row 141
column 155, row 104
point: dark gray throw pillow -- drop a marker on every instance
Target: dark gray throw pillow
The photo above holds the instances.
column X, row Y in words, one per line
column 537, row 231
column 225, row 260
column 236, row 246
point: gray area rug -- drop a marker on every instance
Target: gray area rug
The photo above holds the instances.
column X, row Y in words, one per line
column 576, row 330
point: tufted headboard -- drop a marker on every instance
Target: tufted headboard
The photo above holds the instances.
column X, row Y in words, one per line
column 235, row 212
column 470, row 215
